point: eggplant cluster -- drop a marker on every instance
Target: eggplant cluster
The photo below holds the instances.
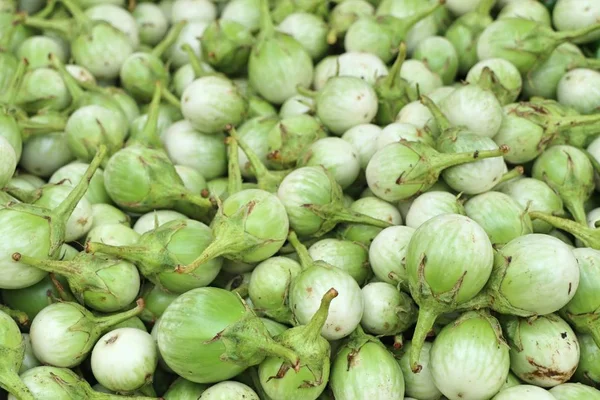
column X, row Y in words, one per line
column 300, row 199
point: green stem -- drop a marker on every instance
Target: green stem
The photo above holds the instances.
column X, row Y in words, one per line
column 273, row 348
column 305, row 258
column 65, row 209
column 589, row 63
column 316, row 323
column 63, row 294
column 482, row 300
column 347, row 215
column 267, row 29
column 7, row 36
column 10, row 95
column 440, row 119
column 136, row 254
column 512, row 174
column 24, row 195
column 267, row 180
column 403, row 25
column 171, row 98
column 148, row 136
column 234, row 180
column 425, row 322
column 307, row 92
column 65, row 268
column 575, row 34
column 568, row 122
column 194, row 61
column 577, row 210
column 77, row 12
column 31, row 128
column 489, row 81
column 47, row 10
column 126, row 252
column 64, row 28
column 220, row 246
column 20, row 317
column 445, row 160
column 394, row 72
column 169, row 40
column 75, row 90
column 589, row 236
column 10, row 381
column 110, row 320
column 205, row 205
column 484, row 8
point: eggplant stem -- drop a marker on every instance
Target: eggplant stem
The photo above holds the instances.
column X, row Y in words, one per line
column 11, row 382
column 218, row 247
column 110, row 320
column 305, row 258
column 66, row 208
column 168, row 41
column 425, row 322
column 316, row 323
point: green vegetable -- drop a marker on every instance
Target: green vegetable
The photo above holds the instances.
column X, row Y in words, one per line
column 344, row 102
column 387, row 254
column 465, row 256
column 465, row 31
column 313, row 202
column 62, row 383
column 124, row 360
column 306, row 380
column 545, row 343
column 141, row 70
column 182, row 389
column 229, row 389
column 587, row 371
column 572, row 391
column 523, row 42
column 431, row 204
column 95, row 44
column 534, row 195
column 208, row 335
column 278, row 63
column 159, row 251
column 13, row 350
column 102, row 283
column 316, row 277
column 290, row 138
column 364, row 368
column 439, row 54
column 269, row 287
column 419, row 384
column 402, row 170
column 346, row 255
column 63, row 334
column 500, row 216
column 475, row 338
column 47, row 226
column 580, row 311
column 388, row 311
column 143, row 165
column 569, row 172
